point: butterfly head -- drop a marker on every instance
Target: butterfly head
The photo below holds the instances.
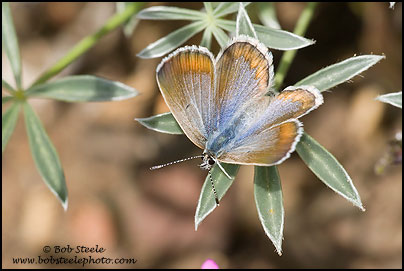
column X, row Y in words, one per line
column 207, row 161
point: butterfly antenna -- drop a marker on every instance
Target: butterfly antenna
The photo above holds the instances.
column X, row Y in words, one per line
column 175, row 162
column 213, row 188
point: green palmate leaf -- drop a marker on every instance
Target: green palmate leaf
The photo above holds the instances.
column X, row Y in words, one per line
column 7, row 86
column 324, row 165
column 225, row 8
column 395, row 98
column 170, row 13
column 220, row 36
column 163, row 123
column 6, row 99
column 207, row 38
column 45, row 156
column 243, row 23
column 8, row 121
column 267, row 14
column 10, row 42
column 340, row 72
column 272, row 38
column 131, row 24
column 172, row 40
column 268, row 199
column 206, row 203
column 82, row 88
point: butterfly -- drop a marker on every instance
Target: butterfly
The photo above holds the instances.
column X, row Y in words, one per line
column 222, row 106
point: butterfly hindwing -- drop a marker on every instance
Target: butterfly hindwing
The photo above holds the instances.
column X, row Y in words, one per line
column 274, row 134
column 293, row 102
column 269, row 145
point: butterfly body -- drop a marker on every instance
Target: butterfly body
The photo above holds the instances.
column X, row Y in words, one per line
column 222, row 107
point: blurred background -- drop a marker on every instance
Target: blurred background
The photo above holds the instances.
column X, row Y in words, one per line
column 115, row 201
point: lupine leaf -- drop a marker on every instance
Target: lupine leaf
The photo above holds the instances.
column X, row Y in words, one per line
column 220, row 36
column 206, row 202
column 208, row 7
column 225, row 8
column 272, row 38
column 7, row 86
column 163, row 123
column 172, row 40
column 395, row 99
column 324, row 165
column 340, row 72
column 243, row 23
column 170, row 13
column 268, row 199
column 45, row 156
column 82, row 88
column 10, row 42
column 8, row 122
column 207, row 38
column 6, row 99
column 267, row 13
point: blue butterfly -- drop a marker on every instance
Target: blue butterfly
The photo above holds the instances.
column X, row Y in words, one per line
column 222, row 107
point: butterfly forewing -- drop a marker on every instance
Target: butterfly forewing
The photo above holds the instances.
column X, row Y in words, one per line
column 186, row 80
column 244, row 71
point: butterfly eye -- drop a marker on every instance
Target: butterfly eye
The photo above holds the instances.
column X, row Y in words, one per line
column 211, row 161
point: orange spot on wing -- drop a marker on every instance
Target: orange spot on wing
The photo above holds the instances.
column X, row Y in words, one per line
column 287, row 133
column 306, row 98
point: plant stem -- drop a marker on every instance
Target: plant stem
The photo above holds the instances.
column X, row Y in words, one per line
column 287, row 57
column 85, row 44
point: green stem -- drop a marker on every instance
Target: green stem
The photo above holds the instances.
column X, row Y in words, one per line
column 85, row 44
column 287, row 57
